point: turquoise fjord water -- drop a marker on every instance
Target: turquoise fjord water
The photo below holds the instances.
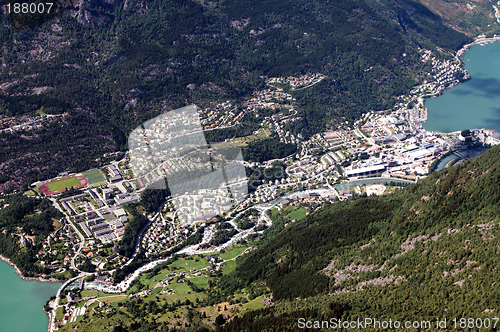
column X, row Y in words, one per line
column 21, row 302
column 475, row 103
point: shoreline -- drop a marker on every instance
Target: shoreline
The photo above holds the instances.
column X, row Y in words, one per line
column 477, row 41
column 459, row 57
column 39, row 279
column 20, row 275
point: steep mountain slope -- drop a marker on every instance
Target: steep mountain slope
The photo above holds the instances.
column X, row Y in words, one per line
column 428, row 251
column 470, row 17
column 114, row 64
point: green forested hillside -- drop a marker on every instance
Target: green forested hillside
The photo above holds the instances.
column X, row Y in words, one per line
column 425, row 252
column 27, row 216
column 114, row 64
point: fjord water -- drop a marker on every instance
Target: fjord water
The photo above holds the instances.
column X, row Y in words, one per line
column 21, row 302
column 472, row 104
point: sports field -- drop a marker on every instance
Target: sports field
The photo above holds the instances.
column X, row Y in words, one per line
column 95, row 178
column 58, row 186
column 63, row 184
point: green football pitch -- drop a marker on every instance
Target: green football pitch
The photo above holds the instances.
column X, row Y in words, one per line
column 95, row 177
column 63, row 184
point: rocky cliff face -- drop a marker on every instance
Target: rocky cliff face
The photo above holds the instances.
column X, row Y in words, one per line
column 470, row 17
column 95, row 13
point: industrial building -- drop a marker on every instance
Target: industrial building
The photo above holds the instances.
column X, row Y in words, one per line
column 364, row 171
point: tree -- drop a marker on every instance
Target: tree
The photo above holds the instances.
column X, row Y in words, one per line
column 220, row 320
column 465, row 133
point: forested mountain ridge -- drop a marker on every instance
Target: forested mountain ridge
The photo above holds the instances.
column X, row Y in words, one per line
column 114, row 64
column 425, row 252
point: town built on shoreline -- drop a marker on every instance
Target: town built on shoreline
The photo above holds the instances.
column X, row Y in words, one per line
column 390, row 145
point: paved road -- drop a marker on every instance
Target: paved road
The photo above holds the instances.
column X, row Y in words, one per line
column 80, row 235
column 52, row 326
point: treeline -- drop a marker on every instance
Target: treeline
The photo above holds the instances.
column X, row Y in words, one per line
column 268, row 149
column 151, row 199
column 398, row 183
column 121, row 273
column 128, row 242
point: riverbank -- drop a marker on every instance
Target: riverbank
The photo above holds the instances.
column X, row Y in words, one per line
column 20, row 275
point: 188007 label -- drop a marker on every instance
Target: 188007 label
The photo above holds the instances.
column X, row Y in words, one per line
column 28, row 8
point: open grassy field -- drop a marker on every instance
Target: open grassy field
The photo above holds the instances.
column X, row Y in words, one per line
column 113, row 299
column 66, row 275
column 150, row 283
column 56, row 223
column 95, row 178
column 233, row 251
column 89, row 292
column 80, row 304
column 230, row 266
column 59, row 314
column 185, row 265
column 273, row 213
column 99, row 294
column 180, row 265
column 244, row 141
column 254, row 304
column 63, row 184
column 90, row 308
column 200, row 282
column 289, row 213
column 297, row 214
